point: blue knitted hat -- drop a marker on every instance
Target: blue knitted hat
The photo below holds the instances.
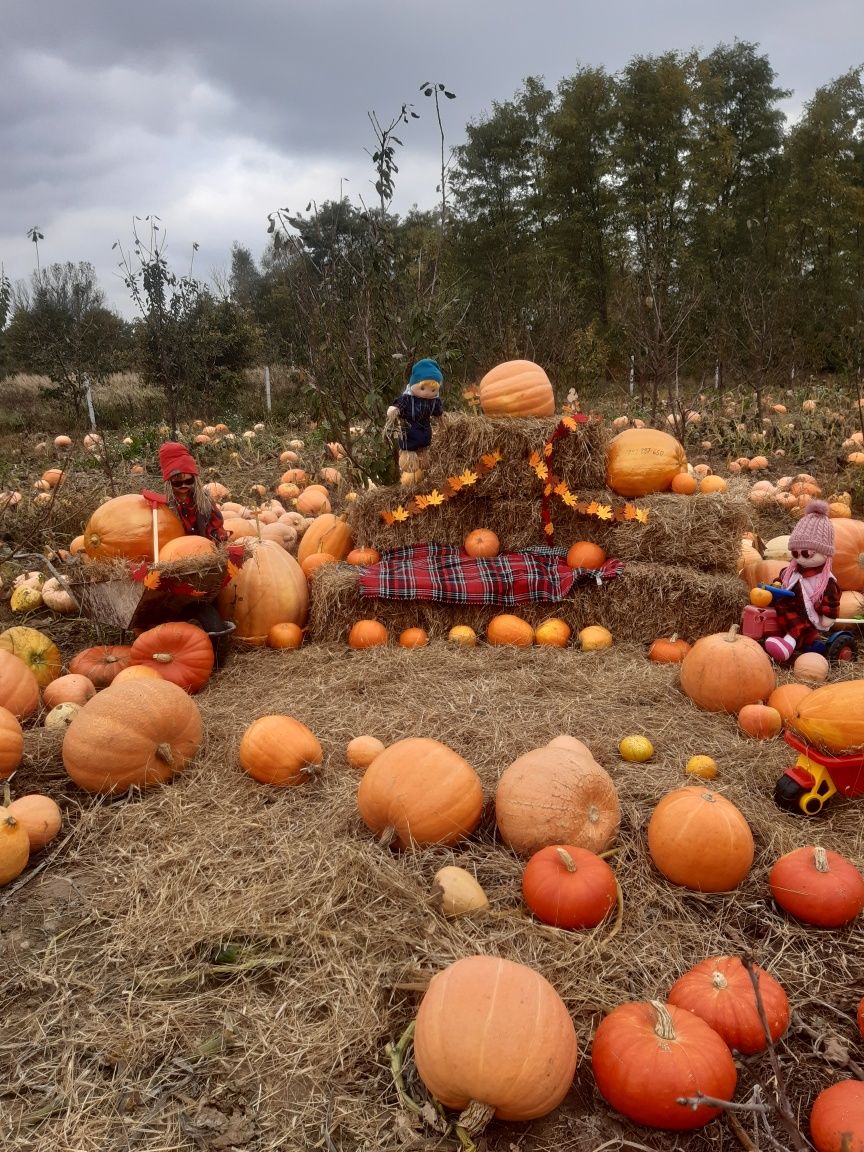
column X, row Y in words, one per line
column 425, row 370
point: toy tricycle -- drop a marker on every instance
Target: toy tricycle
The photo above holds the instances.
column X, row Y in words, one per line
column 757, row 623
column 817, row 776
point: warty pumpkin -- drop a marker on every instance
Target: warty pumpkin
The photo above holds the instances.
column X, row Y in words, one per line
column 137, row 735
column 720, row 992
column 39, row 816
column 494, row 1035
column 516, row 388
column 817, row 886
column 62, row 715
column 101, row 663
column 19, row 689
column 700, row 840
column 11, row 743
column 420, row 792
column 38, row 651
column 268, row 589
column 280, row 751
column 123, row 526
column 640, row 461
column 725, row 671
column 647, row 1056
column 181, row 652
column 556, row 795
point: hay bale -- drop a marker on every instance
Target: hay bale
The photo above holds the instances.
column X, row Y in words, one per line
column 462, row 439
column 701, row 532
column 644, row 602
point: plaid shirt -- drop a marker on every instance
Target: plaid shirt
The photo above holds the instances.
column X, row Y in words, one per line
column 444, row 573
column 195, row 525
column 792, row 617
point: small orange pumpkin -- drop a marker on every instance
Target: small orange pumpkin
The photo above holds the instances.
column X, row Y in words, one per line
column 786, row 699
column 700, row 840
column 367, row 634
column 413, row 638
column 363, row 557
column 481, row 542
column 506, row 630
column 671, row 651
column 463, row 636
column 684, row 484
column 362, row 750
column 279, row 750
column 552, row 633
column 70, row 689
column 11, row 743
column 584, row 554
column 285, row 636
column 760, row 597
column 314, row 561
column 760, row 721
column 39, row 816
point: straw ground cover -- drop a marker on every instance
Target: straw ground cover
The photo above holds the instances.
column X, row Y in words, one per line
column 217, row 964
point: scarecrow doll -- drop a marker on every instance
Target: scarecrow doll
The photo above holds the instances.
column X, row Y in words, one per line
column 186, row 496
column 813, row 608
column 412, row 416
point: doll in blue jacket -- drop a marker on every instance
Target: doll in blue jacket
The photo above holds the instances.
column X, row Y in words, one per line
column 412, row 415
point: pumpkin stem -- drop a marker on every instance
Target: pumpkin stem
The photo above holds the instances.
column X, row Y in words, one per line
column 163, row 751
column 475, row 1117
column 673, row 638
column 719, row 981
column 732, row 635
column 566, row 859
column 386, row 837
column 619, row 914
column 7, row 795
column 10, row 821
column 820, row 859
column 663, row 1026
column 163, row 657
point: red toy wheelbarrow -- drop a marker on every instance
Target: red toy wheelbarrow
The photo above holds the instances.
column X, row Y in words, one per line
column 817, row 776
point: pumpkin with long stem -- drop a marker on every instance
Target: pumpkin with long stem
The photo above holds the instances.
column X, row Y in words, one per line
column 720, row 991
column 648, row 1056
column 494, row 1038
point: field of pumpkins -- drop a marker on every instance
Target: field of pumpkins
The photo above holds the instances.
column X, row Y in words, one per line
column 467, row 840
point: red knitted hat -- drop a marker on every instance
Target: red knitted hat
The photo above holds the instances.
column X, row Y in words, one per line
column 174, row 458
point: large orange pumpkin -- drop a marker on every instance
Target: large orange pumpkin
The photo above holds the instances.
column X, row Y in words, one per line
column 185, row 546
column 516, row 388
column 137, row 735
column 313, row 501
column 494, row 1033
column 640, row 461
column 19, row 688
column 647, row 1056
column 124, row 527
column 832, row 717
column 556, row 795
column 101, row 663
column 700, row 840
column 719, row 990
column 269, row 589
column 279, row 750
column 38, row 651
column 421, row 790
column 848, row 560
column 329, row 534
column 11, row 743
column 725, row 671
column 180, row 652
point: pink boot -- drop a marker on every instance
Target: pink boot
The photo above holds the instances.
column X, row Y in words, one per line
column 780, row 648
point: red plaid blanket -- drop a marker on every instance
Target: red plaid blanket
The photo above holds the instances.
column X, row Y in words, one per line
column 446, row 574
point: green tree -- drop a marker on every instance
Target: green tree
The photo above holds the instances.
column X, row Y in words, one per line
column 61, row 329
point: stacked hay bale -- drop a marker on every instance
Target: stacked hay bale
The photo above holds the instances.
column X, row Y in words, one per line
column 680, row 565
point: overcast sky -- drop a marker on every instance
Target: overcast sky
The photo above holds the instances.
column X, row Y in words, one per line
column 212, row 113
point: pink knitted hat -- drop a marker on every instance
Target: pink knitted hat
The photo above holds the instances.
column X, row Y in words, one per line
column 814, row 530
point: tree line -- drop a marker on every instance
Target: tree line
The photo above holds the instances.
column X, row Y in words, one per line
column 665, row 223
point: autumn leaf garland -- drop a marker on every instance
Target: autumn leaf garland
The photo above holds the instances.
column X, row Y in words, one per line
column 542, row 465
column 451, row 487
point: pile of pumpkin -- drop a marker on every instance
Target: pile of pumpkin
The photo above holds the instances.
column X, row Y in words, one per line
column 794, row 493
column 558, row 807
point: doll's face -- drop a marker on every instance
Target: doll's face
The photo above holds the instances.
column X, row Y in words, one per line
column 425, row 389
column 807, row 558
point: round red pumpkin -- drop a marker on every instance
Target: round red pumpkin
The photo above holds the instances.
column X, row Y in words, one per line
column 817, row 886
column 569, row 887
column 646, row 1056
column 101, row 663
column 837, row 1118
column 720, row 992
column 180, row 652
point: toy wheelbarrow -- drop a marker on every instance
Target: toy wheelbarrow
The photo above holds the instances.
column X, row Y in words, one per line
column 817, row 776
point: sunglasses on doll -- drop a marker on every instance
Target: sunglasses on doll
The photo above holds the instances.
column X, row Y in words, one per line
column 801, row 553
column 183, row 482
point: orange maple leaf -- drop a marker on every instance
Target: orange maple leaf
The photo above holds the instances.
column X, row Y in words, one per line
column 547, row 489
column 570, row 423
column 547, row 450
column 152, row 580
column 490, row 459
column 534, row 459
column 420, row 503
column 570, row 500
column 542, row 471
column 561, row 488
column 642, row 515
column 549, row 528
column 455, row 483
column 604, row 512
column 591, row 508
column 387, row 517
column 629, row 511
